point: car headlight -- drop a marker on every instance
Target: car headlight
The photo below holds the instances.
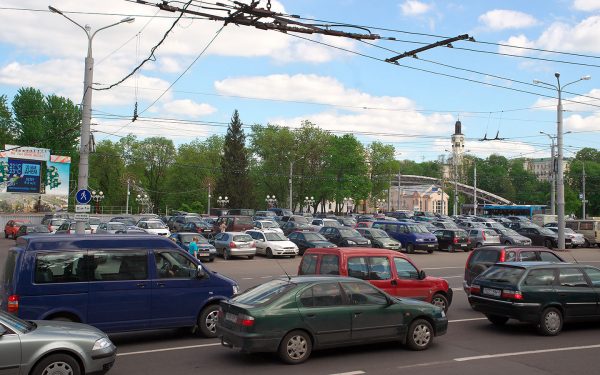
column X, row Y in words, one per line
column 369, row 242
column 102, row 343
column 236, row 289
column 350, row 242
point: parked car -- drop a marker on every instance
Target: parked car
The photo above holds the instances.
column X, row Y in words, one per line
column 111, row 227
column 317, row 224
column 272, row 243
column 347, row 221
column 206, row 251
column 482, row 258
column 115, row 283
column 267, row 224
column 53, row 224
column 468, row 225
column 577, row 239
column 307, row 240
column 201, row 227
column 364, row 224
column 346, row 237
column 281, row 211
column 511, row 237
column 43, row 347
column 127, row 220
column 32, row 229
column 542, row 237
column 12, row 227
column 310, row 308
column 69, row 228
column 262, row 215
column 380, row 239
column 230, row 244
column 590, row 228
column 453, row 239
column 389, row 270
column 484, row 237
column 293, row 226
column 57, row 215
column 544, row 294
column 154, row 227
column 94, row 222
column 233, row 223
column 131, row 229
column 178, row 223
column 412, row 236
column 445, row 224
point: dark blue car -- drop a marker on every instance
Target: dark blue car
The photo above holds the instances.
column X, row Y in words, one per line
column 413, row 236
column 116, row 283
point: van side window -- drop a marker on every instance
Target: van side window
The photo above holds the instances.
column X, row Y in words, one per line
column 309, row 264
column 113, row 265
column 60, row 267
column 358, row 267
column 173, row 264
column 379, row 268
column 330, row 265
column 586, row 225
column 379, row 226
column 405, row 269
column 528, row 256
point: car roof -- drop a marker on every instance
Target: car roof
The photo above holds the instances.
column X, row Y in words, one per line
column 353, row 251
column 90, row 241
column 316, row 278
column 513, row 247
column 538, row 264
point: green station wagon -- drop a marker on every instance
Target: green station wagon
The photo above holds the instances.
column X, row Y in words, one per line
column 297, row 315
column 545, row 294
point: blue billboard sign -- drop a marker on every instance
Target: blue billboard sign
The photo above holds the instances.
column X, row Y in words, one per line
column 23, row 176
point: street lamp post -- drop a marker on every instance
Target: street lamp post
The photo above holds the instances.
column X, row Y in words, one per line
column 222, row 201
column 560, row 181
column 86, row 108
column 271, row 201
column 97, row 197
column 144, row 201
column 552, row 175
column 309, row 202
column 380, row 203
column 291, row 178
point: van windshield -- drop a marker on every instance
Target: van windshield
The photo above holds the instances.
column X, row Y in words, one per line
column 417, row 229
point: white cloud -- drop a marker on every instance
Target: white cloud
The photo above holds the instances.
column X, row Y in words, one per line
column 579, row 123
column 584, row 36
column 586, row 5
column 501, row 19
column 188, row 108
column 549, row 104
column 519, row 41
column 414, row 7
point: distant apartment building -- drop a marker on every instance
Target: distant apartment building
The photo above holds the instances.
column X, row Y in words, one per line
column 542, row 167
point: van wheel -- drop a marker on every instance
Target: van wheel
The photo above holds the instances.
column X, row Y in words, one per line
column 207, row 321
column 551, row 322
column 441, row 301
column 269, row 253
column 410, row 248
column 420, row 335
column 59, row 364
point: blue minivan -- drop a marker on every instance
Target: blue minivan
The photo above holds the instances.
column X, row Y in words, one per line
column 413, row 236
column 115, row 283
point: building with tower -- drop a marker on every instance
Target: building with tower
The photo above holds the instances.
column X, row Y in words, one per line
column 458, row 143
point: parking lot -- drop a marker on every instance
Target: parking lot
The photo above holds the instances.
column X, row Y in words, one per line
column 471, row 346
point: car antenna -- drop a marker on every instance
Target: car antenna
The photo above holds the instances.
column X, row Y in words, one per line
column 283, row 269
column 572, row 256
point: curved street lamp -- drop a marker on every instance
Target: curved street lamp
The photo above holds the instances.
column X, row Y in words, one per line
column 97, row 197
column 271, row 201
column 222, row 201
column 309, row 202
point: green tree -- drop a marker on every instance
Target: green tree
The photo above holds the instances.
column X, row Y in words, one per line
column 7, row 128
column 234, row 180
column 107, row 171
column 384, row 167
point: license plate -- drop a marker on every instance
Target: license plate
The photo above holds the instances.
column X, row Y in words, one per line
column 231, row 317
column 492, row 292
column 243, row 245
column 431, row 245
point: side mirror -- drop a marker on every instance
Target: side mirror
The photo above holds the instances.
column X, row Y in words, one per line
column 201, row 273
column 422, row 275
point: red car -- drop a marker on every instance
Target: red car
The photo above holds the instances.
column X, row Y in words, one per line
column 389, row 270
column 12, row 226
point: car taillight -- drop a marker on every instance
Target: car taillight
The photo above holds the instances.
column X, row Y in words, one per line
column 483, row 235
column 13, row 303
column 475, row 289
column 232, row 244
column 512, row 294
column 502, row 256
column 455, row 240
column 245, row 320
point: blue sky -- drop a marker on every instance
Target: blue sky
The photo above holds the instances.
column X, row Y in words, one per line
column 275, row 78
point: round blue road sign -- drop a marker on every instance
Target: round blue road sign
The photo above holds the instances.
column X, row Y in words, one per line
column 83, row 196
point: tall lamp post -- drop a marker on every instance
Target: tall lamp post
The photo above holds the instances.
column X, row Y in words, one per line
column 309, row 202
column 97, row 197
column 560, row 181
column 291, row 179
column 271, row 201
column 222, row 201
column 144, row 201
column 86, row 108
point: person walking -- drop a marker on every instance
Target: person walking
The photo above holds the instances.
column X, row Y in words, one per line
column 193, row 247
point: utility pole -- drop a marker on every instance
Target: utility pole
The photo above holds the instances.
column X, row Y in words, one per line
column 127, row 199
column 399, row 187
column 290, row 181
column 455, row 208
column 208, row 203
column 553, row 171
column 584, row 201
column 475, row 188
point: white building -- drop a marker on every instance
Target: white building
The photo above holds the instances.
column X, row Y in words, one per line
column 428, row 198
column 542, row 168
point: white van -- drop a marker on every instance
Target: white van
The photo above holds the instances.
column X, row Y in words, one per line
column 542, row 219
column 590, row 228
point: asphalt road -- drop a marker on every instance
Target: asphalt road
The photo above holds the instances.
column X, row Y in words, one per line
column 471, row 346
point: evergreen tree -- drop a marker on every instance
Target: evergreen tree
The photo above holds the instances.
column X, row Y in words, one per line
column 234, row 181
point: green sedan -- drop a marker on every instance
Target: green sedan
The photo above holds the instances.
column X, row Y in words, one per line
column 295, row 316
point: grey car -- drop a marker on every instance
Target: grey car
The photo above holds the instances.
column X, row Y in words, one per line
column 380, row 238
column 52, row 347
column 511, row 237
column 111, row 227
column 229, row 244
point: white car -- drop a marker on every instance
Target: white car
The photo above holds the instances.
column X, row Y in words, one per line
column 271, row 243
column 154, row 227
column 317, row 224
column 577, row 239
column 267, row 225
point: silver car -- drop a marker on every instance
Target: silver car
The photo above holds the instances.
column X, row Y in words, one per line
column 482, row 237
column 52, row 347
column 111, row 227
column 230, row 244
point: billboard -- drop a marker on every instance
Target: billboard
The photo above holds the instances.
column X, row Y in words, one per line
column 23, row 176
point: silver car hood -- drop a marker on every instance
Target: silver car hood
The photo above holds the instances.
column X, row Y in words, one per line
column 69, row 329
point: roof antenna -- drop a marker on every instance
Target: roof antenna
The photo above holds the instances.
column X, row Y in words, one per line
column 284, row 271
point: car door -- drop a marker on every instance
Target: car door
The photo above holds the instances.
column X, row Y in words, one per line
column 576, row 295
column 177, row 294
column 261, row 242
column 119, row 289
column 323, row 310
column 408, row 283
column 370, row 315
column 593, row 275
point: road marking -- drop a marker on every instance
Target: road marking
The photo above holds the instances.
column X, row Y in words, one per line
column 168, row 349
column 267, row 277
column 423, row 364
column 514, row 354
column 457, row 289
column 441, row 268
column 465, row 320
column 350, row 373
column 247, row 278
column 450, row 277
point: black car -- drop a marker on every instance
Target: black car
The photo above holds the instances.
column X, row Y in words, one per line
column 453, row 239
column 542, row 237
column 293, row 226
column 544, row 294
column 308, row 240
column 345, row 237
column 201, row 227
